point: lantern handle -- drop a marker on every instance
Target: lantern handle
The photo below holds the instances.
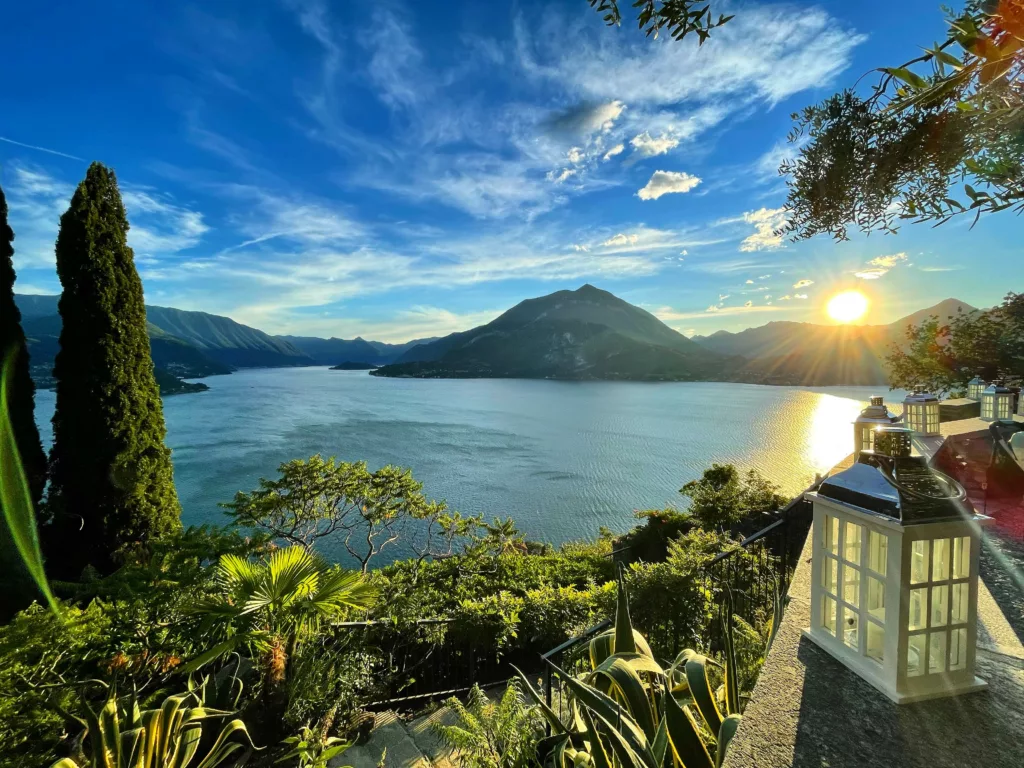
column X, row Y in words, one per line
column 959, row 494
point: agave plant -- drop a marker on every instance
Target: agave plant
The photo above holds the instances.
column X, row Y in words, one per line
column 269, row 605
column 628, row 711
column 120, row 735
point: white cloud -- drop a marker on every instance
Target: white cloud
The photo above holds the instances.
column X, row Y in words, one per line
column 787, row 297
column 723, row 296
column 579, row 248
column 560, row 176
column 803, row 283
column 645, row 146
column 576, row 155
column 712, row 308
column 765, row 221
column 616, row 150
column 667, row 182
column 763, row 277
column 880, row 266
column 749, row 304
column 749, row 282
column 799, row 295
column 684, row 252
column 620, row 239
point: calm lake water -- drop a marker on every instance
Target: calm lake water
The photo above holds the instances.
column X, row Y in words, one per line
column 562, row 458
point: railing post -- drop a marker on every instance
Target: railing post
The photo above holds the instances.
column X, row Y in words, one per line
column 547, row 690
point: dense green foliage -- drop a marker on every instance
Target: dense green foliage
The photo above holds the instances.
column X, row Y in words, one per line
column 908, row 151
column 111, row 478
column 722, row 498
column 942, row 357
column 265, row 625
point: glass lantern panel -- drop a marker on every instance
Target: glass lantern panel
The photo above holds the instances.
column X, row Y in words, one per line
column 918, row 561
column 829, row 574
column 961, row 594
column 851, row 542
column 961, row 557
column 958, row 649
column 878, row 546
column 936, row 652
column 851, row 628
column 828, row 614
column 830, row 540
column 876, row 642
column 940, row 605
column 932, row 418
column 940, row 559
column 876, row 598
column 918, row 601
column 851, row 585
column 1003, row 408
column 986, row 406
column 915, row 655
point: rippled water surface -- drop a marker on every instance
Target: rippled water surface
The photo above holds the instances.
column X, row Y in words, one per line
column 562, row 458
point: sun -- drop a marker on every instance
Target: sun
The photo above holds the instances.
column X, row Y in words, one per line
column 847, row 306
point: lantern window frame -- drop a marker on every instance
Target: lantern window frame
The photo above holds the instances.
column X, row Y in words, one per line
column 888, row 670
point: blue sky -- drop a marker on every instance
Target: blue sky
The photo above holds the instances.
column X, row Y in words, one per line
column 397, row 170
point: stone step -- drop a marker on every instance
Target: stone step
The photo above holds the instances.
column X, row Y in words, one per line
column 389, row 742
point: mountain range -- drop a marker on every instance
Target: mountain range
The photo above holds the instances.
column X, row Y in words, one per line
column 587, row 333
column 583, row 334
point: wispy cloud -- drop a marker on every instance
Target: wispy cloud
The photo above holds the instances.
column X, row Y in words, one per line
column 802, row 283
column 646, row 146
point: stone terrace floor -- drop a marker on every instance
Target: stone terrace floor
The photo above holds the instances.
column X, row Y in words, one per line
column 809, row 710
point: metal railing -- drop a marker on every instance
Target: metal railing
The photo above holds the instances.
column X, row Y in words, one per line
column 751, row 574
column 421, row 661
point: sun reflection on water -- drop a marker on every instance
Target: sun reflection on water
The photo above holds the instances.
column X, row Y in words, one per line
column 830, row 437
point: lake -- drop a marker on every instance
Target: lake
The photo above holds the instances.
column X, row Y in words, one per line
column 562, row 458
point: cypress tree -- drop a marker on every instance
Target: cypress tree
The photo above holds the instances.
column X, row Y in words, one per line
column 112, row 486
column 18, row 589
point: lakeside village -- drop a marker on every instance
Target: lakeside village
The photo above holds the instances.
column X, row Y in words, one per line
column 884, row 589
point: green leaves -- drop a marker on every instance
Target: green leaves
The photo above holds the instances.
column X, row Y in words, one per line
column 168, row 737
column 15, row 497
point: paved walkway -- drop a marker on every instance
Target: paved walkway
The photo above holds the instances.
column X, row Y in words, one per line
column 808, row 710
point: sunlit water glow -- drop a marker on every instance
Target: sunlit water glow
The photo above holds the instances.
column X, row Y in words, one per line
column 562, row 458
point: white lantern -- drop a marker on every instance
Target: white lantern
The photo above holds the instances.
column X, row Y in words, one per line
column 895, row 586
column 974, row 389
column 997, row 403
column 1020, row 403
column 921, row 413
column 874, row 416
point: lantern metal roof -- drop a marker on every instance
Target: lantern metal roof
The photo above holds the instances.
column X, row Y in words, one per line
column 904, row 489
column 996, row 389
column 921, row 397
column 877, row 413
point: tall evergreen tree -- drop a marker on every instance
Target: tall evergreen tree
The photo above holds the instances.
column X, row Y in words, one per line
column 18, row 588
column 112, row 486
column 21, row 395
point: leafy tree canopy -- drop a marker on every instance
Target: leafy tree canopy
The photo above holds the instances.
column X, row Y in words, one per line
column 678, row 17
column 939, row 136
column 722, row 497
column 941, row 357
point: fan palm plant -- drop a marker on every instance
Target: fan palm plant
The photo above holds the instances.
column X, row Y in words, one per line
column 270, row 605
